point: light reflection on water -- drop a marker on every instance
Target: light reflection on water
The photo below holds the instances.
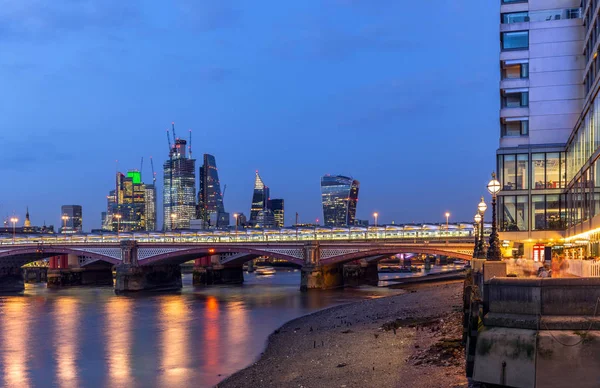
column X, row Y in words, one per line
column 93, row 338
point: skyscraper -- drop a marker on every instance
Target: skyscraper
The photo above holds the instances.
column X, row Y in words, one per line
column 126, row 204
column 150, row 207
column 339, row 195
column 210, row 207
column 74, row 215
column 179, row 188
column 260, row 197
column 277, row 207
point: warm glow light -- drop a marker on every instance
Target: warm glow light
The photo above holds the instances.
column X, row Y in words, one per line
column 211, row 250
column 66, row 340
column 14, row 335
column 119, row 331
column 174, row 324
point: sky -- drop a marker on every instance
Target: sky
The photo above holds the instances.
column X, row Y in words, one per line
column 403, row 98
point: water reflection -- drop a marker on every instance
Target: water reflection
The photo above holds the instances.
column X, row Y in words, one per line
column 66, row 341
column 15, row 337
column 119, row 319
column 174, row 326
column 238, row 328
column 211, row 335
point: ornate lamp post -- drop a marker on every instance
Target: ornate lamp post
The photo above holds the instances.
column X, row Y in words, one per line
column 481, row 208
column 14, row 221
column 65, row 218
column 447, row 226
column 494, row 253
column 118, row 217
column 477, row 220
column 235, row 215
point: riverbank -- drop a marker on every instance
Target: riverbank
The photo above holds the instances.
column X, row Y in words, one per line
column 408, row 340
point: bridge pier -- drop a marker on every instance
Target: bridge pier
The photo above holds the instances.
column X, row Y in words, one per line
column 64, row 271
column 11, row 280
column 35, row 274
column 321, row 277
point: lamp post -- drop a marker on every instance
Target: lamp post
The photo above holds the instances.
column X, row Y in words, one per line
column 447, row 226
column 494, row 253
column 173, row 218
column 118, row 217
column 477, row 220
column 375, row 215
column 14, row 221
column 481, row 208
column 65, row 218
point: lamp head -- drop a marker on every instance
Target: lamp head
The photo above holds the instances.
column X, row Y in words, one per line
column 493, row 186
column 482, row 207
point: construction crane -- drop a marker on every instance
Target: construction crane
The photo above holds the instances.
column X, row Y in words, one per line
column 223, row 193
column 141, row 167
column 169, row 141
column 153, row 173
column 173, row 126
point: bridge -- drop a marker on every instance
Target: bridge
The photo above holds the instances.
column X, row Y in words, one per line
column 152, row 261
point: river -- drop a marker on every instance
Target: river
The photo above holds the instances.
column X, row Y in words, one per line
column 90, row 337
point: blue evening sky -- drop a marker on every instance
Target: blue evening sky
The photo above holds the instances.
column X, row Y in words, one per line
column 401, row 95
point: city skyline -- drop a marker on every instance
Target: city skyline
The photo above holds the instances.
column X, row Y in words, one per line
column 285, row 133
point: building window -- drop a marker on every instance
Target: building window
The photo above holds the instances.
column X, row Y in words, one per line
column 513, row 213
column 513, row 1
column 515, row 17
column 547, row 212
column 554, row 14
column 515, row 127
column 548, row 170
column 515, row 98
column 515, row 40
column 511, row 70
column 514, row 171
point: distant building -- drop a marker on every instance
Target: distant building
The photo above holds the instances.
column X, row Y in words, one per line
column 8, row 228
column 74, row 221
column 361, row 222
column 242, row 221
column 126, row 205
column 210, row 208
column 179, row 188
column 277, row 207
column 259, row 199
column 339, row 195
column 265, row 219
column 150, row 199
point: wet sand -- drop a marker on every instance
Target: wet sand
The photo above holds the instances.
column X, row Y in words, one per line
column 408, row 340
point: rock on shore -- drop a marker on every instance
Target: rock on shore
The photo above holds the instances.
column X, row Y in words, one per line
column 408, row 340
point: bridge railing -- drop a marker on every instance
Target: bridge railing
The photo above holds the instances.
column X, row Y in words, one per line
column 233, row 237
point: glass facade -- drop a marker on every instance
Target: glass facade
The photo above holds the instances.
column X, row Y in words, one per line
column 126, row 207
column 75, row 217
column 210, row 198
column 515, row 40
column 515, row 98
column 514, row 214
column 151, row 207
column 277, row 206
column 339, row 195
column 260, row 198
column 179, row 188
column 515, row 70
column 541, row 16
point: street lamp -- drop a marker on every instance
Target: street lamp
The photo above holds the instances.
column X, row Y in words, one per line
column 65, row 218
column 375, row 215
column 494, row 253
column 481, row 208
column 173, row 217
column 477, row 220
column 118, row 217
column 14, row 221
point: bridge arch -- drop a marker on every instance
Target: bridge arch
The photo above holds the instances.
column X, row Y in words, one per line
column 386, row 251
column 183, row 255
column 19, row 256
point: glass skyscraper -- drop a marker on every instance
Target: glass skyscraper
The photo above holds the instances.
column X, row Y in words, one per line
column 151, row 207
column 179, row 188
column 74, row 217
column 126, row 205
column 339, row 195
column 260, row 197
column 210, row 207
column 277, row 207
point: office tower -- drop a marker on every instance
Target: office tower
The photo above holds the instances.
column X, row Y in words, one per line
column 150, row 209
column 179, row 187
column 210, row 207
column 548, row 121
column 260, row 197
column 126, row 204
column 277, row 207
column 242, row 221
column 74, row 217
column 265, row 219
column 339, row 195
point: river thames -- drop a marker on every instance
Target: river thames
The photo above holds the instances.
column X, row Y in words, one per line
column 91, row 337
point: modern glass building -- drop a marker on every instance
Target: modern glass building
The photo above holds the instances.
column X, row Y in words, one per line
column 126, row 205
column 179, row 188
column 150, row 207
column 277, row 207
column 548, row 87
column 210, row 207
column 74, row 221
column 260, row 197
column 339, row 195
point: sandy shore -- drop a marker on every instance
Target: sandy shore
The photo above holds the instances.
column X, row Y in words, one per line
column 408, row 340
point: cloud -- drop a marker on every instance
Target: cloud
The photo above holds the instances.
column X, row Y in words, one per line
column 41, row 19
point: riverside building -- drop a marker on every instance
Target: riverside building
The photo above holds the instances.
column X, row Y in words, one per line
column 179, row 187
column 339, row 195
column 549, row 128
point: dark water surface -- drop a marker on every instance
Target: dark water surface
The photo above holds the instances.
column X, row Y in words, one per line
column 92, row 338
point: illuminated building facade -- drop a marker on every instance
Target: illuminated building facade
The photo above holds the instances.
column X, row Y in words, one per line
column 126, row 207
column 277, row 207
column 210, row 207
column 339, row 195
column 260, row 198
column 150, row 200
column 74, row 221
column 179, row 188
